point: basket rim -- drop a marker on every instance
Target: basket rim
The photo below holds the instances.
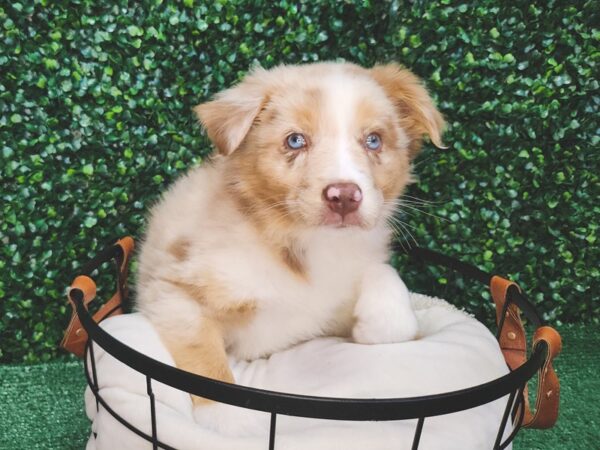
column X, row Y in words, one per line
column 334, row 408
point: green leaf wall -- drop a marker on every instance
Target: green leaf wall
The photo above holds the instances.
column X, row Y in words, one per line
column 95, row 121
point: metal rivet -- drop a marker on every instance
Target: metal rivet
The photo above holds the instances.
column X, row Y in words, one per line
column 78, row 332
column 512, row 336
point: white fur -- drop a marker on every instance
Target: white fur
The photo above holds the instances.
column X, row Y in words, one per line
column 224, row 242
column 383, row 309
column 290, row 309
column 342, row 101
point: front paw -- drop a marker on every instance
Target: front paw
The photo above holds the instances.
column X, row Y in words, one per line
column 383, row 312
column 386, row 330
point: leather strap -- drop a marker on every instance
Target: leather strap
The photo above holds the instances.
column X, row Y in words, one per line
column 513, row 344
column 512, row 338
column 75, row 337
column 548, row 395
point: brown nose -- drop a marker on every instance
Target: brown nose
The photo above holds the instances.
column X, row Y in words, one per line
column 342, row 198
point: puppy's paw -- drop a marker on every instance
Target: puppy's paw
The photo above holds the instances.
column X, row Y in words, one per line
column 383, row 312
column 387, row 329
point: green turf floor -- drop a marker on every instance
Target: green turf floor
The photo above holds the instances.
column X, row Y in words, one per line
column 41, row 406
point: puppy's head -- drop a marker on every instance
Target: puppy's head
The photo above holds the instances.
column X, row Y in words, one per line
column 324, row 144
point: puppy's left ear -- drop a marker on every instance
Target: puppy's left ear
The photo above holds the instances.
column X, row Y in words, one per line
column 416, row 110
column 230, row 115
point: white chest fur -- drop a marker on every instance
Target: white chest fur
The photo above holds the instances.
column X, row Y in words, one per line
column 223, row 244
column 290, row 308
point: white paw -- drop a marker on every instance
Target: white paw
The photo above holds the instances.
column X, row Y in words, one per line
column 388, row 330
column 383, row 312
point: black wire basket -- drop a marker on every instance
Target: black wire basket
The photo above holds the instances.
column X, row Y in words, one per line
column 84, row 333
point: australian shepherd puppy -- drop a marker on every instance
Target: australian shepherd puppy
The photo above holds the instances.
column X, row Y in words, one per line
column 284, row 235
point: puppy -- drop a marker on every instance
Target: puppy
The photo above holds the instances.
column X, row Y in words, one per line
column 283, row 235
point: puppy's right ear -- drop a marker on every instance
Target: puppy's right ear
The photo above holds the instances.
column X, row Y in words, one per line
column 230, row 115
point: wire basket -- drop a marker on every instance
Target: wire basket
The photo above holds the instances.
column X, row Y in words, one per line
column 84, row 333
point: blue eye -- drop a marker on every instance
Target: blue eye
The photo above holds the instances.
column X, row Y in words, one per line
column 296, row 141
column 373, row 142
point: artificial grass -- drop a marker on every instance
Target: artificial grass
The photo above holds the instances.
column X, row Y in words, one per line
column 41, row 406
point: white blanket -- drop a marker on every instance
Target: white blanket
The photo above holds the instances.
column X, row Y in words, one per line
column 454, row 351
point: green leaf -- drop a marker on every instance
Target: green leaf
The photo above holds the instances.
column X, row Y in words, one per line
column 134, row 30
column 88, row 169
column 509, row 58
column 89, row 222
column 51, row 64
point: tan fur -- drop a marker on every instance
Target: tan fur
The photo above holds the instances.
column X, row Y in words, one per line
column 228, row 118
column 418, row 115
column 248, row 213
column 218, row 302
column 204, row 354
column 179, row 249
column 293, row 262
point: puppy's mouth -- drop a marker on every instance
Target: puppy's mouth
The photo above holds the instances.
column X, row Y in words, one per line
column 336, row 220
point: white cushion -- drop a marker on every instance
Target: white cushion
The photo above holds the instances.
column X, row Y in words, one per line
column 454, row 351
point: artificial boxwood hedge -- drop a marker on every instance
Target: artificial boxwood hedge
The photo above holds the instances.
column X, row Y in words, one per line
column 95, row 102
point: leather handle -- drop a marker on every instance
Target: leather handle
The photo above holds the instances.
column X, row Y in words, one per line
column 86, row 286
column 548, row 393
column 512, row 335
column 127, row 245
column 75, row 337
column 513, row 343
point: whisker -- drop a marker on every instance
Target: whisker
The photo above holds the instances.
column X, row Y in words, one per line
column 399, row 209
column 424, row 160
column 397, row 232
column 409, row 233
column 411, row 203
column 405, row 226
column 395, row 218
column 401, row 202
column 430, row 202
column 424, row 212
column 398, row 226
column 269, row 207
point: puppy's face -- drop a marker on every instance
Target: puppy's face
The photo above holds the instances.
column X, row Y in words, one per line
column 323, row 144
